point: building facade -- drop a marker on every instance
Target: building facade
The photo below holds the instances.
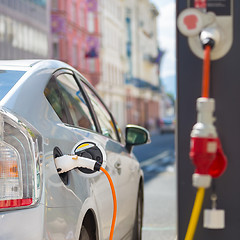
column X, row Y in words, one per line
column 130, row 60
column 113, row 57
column 113, row 43
column 24, row 29
column 75, row 35
column 144, row 55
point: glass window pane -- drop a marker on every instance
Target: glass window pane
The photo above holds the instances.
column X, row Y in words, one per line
column 8, row 79
column 54, row 4
column 92, row 67
column 74, row 54
column 105, row 121
column 53, row 96
column 91, row 24
column 75, row 102
column 56, row 50
column 81, row 16
column 74, row 12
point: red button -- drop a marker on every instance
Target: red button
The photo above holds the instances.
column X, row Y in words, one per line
column 190, row 21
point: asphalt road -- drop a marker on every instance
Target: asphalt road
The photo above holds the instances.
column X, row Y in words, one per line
column 158, row 163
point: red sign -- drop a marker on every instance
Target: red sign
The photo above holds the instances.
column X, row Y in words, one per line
column 200, row 4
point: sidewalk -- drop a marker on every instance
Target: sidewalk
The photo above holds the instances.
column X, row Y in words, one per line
column 160, row 207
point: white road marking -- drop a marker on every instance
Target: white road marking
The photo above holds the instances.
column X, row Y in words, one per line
column 151, row 160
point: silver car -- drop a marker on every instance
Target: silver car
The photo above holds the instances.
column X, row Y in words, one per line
column 48, row 109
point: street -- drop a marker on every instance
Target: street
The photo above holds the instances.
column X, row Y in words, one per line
column 157, row 160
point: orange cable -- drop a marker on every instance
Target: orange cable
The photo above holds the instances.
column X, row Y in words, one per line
column 114, row 202
column 206, row 71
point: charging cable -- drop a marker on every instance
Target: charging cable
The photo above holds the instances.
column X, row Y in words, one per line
column 206, row 151
column 66, row 163
column 206, row 71
column 201, row 180
column 195, row 213
column 114, row 202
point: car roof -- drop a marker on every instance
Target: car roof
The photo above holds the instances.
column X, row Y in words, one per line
column 33, row 65
column 28, row 64
column 19, row 63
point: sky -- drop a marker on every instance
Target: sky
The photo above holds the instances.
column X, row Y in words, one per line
column 166, row 37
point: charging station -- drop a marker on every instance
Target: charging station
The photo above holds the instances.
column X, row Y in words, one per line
column 198, row 20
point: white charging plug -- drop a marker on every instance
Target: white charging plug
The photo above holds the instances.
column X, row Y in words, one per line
column 66, row 163
column 210, row 34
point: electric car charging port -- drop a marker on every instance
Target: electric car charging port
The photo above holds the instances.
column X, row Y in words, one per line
column 91, row 151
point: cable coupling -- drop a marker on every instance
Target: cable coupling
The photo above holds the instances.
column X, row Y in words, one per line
column 206, row 150
column 210, row 37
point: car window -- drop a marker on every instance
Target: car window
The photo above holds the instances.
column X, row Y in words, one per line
column 75, row 102
column 54, row 97
column 105, row 120
column 8, row 78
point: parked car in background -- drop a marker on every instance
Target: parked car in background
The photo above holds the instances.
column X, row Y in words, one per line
column 46, row 108
column 167, row 124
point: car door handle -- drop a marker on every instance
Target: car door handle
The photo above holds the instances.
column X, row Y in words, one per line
column 117, row 165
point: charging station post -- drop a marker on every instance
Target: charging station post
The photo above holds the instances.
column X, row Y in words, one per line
column 224, row 17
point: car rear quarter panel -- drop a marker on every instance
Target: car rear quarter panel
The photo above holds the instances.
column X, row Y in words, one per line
column 22, row 224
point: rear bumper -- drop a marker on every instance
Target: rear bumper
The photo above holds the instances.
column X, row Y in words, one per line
column 21, row 224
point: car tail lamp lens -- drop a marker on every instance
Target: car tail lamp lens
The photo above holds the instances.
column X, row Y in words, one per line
column 20, row 163
column 10, row 172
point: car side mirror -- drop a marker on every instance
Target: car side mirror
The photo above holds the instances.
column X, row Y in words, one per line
column 136, row 135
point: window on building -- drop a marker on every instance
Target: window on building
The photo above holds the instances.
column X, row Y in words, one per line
column 54, row 4
column 91, row 22
column 62, row 5
column 2, row 28
column 25, row 36
column 82, row 59
column 92, row 65
column 15, row 33
column 9, row 30
column 55, row 50
column 82, row 16
column 64, row 50
column 30, row 35
column 119, row 12
column 75, row 54
column 74, row 12
column 19, row 36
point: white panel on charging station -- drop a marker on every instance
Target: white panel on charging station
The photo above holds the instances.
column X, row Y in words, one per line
column 213, row 16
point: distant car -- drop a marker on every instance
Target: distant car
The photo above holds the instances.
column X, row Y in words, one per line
column 167, row 124
column 46, row 108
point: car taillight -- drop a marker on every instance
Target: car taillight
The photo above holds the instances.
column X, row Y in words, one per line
column 20, row 163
